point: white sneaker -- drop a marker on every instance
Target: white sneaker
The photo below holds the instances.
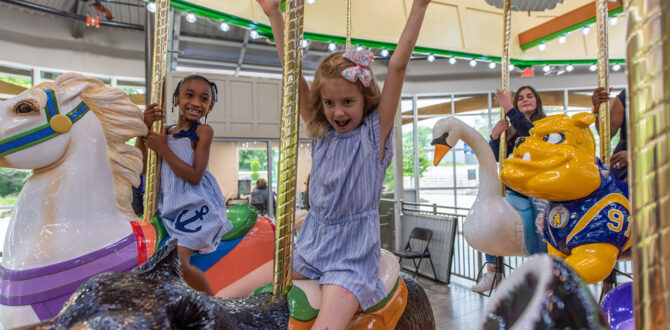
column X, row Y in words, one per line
column 486, row 282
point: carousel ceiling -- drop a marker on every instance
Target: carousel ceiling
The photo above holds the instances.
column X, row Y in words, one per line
column 462, row 28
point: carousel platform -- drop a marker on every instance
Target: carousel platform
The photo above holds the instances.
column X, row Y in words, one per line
column 455, row 306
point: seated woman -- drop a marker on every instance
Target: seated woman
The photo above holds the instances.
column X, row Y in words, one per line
column 259, row 197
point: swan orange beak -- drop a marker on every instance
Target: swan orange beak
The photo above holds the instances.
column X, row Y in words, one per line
column 440, row 151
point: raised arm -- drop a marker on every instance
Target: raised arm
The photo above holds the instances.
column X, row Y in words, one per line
column 395, row 76
column 272, row 10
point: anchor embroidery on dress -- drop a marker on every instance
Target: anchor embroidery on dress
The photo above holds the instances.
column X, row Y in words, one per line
column 181, row 224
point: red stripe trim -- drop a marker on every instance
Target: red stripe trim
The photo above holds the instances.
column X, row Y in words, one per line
column 141, row 242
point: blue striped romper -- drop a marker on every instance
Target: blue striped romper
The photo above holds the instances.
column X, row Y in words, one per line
column 194, row 215
column 339, row 241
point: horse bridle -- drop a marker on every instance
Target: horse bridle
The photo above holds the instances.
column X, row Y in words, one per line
column 56, row 125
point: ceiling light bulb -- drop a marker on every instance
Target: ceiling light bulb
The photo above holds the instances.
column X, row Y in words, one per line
column 562, row 39
column 542, row 46
column 151, row 7
column 593, row 67
column 586, row 30
column 431, row 58
column 569, row 68
column 473, row 63
column 452, row 60
column 546, row 68
column 359, row 48
column 224, row 27
column 492, row 65
column 304, row 43
column 613, row 20
column 311, row 2
column 616, row 67
column 190, row 17
column 254, row 34
column 332, row 46
column 385, row 52
column 511, row 67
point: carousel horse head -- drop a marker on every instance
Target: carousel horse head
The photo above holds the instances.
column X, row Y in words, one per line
column 559, row 153
column 39, row 127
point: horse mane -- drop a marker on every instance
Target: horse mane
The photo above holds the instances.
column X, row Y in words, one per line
column 121, row 120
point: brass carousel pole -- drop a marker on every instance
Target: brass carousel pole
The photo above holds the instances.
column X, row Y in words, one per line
column 504, row 62
column 648, row 60
column 288, row 147
column 158, row 72
column 603, row 81
column 348, row 44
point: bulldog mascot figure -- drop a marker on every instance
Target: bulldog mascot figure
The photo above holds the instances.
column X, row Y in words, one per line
column 588, row 224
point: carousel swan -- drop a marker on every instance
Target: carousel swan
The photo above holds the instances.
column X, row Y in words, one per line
column 494, row 224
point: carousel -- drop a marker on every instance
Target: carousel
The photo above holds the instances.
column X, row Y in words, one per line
column 75, row 254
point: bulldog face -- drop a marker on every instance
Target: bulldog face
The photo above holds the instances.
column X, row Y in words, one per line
column 557, row 162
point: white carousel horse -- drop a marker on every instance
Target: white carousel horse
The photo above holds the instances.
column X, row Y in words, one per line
column 493, row 225
column 61, row 131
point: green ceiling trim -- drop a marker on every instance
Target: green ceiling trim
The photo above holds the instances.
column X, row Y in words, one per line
column 567, row 30
column 266, row 32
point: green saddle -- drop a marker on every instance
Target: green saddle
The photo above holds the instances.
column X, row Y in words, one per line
column 243, row 217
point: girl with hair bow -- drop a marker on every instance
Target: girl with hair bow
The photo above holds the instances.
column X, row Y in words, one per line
column 350, row 120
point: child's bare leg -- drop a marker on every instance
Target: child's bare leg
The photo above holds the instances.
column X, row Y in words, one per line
column 193, row 276
column 338, row 307
column 298, row 276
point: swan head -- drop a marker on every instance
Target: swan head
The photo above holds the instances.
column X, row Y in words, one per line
column 446, row 133
column 557, row 161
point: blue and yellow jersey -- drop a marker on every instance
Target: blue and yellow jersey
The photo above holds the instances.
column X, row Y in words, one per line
column 601, row 217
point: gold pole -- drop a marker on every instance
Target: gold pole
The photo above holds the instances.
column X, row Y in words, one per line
column 158, row 73
column 648, row 60
column 603, row 81
column 348, row 45
column 288, row 147
column 504, row 62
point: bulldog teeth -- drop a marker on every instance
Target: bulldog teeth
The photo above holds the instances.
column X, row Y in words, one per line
column 526, row 156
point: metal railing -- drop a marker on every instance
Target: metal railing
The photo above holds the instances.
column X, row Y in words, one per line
column 467, row 262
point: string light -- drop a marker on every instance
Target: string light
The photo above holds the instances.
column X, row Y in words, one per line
column 562, row 39
column 586, row 30
column 473, row 63
column 452, row 60
column 304, row 43
column 593, row 67
column 254, row 34
column 311, row 2
column 511, row 67
column 613, row 20
column 569, row 68
column 616, row 67
column 492, row 65
column 224, row 27
column 332, row 46
column 359, row 48
column 190, row 17
column 546, row 68
column 385, row 52
column 430, row 58
column 151, row 7
column 542, row 46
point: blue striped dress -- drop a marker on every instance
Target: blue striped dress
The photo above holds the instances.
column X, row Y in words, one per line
column 194, row 215
column 339, row 241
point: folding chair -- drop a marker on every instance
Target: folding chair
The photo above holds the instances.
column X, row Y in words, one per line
column 420, row 234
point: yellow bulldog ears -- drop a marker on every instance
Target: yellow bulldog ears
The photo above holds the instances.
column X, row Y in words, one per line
column 583, row 119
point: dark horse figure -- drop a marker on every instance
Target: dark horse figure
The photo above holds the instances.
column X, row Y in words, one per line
column 155, row 296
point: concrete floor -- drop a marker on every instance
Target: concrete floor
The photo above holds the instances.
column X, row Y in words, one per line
column 455, row 306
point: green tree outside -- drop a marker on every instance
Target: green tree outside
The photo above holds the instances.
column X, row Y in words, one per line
column 11, row 183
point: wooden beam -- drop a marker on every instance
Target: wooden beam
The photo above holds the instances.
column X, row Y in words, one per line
column 563, row 22
column 11, row 89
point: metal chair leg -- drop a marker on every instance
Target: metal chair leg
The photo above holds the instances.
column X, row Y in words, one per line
column 432, row 266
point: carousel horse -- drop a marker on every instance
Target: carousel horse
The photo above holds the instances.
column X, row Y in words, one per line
column 168, row 303
column 544, row 293
column 72, row 219
column 588, row 224
column 501, row 226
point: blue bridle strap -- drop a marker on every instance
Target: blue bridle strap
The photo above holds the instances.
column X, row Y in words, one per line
column 41, row 133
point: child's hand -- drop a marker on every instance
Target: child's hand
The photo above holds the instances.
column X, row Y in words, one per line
column 504, row 99
column 501, row 126
column 157, row 142
column 269, row 5
column 151, row 114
